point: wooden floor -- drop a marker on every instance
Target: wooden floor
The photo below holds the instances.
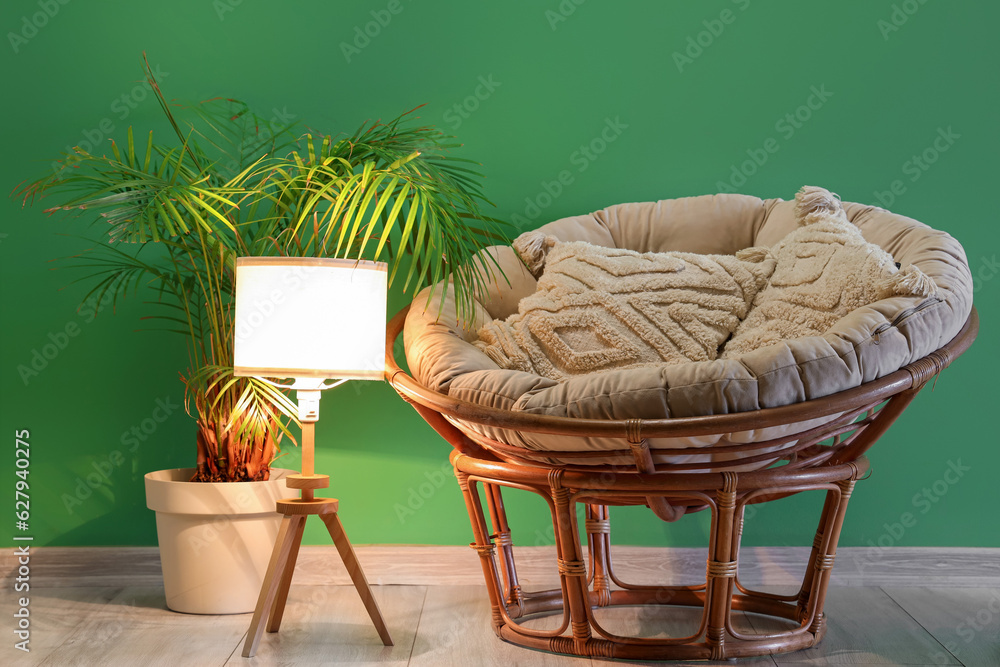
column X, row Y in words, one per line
column 107, row 624
column 449, row 625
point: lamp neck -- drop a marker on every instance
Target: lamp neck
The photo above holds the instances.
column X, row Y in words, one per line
column 308, row 404
column 308, row 392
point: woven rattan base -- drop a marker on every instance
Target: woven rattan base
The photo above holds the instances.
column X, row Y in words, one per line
column 827, row 456
column 588, row 581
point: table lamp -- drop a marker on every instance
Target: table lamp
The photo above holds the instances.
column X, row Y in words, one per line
column 311, row 320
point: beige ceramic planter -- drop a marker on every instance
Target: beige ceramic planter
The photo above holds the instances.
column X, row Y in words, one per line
column 215, row 539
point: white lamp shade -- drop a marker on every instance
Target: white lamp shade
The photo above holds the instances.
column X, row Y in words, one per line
column 310, row 317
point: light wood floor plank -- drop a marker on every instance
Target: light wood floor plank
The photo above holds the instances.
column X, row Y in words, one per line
column 91, row 566
column 136, row 628
column 915, row 566
column 966, row 621
column 450, row 625
column 429, row 565
column 329, row 625
column 865, row 627
column 455, row 631
column 657, row 621
column 764, row 661
column 54, row 617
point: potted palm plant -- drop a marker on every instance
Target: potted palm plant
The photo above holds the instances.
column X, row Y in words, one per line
column 177, row 216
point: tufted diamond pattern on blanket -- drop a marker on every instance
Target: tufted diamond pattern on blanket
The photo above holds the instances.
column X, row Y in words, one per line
column 599, row 309
column 825, row 269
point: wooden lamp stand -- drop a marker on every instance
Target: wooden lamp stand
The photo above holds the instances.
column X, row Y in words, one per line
column 310, row 319
column 295, row 511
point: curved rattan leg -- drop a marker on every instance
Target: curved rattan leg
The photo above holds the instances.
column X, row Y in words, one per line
column 598, row 528
column 572, row 569
column 721, row 567
column 824, row 563
column 828, row 455
column 580, row 633
column 483, row 545
column 512, row 595
column 819, row 549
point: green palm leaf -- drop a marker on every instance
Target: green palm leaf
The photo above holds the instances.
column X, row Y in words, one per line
column 174, row 217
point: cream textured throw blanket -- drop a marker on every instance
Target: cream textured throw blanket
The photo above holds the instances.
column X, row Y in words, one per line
column 598, row 309
column 825, row 270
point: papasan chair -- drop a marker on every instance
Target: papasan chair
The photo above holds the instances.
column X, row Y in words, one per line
column 757, row 349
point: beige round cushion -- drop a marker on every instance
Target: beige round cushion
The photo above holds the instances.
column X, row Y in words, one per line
column 868, row 343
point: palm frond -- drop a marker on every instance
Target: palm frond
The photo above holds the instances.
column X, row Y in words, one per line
column 175, row 216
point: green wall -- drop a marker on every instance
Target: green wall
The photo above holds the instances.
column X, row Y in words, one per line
column 634, row 100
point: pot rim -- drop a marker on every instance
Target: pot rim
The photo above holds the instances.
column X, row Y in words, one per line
column 171, row 491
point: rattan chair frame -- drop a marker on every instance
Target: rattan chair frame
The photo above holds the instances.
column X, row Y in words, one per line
column 828, row 458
